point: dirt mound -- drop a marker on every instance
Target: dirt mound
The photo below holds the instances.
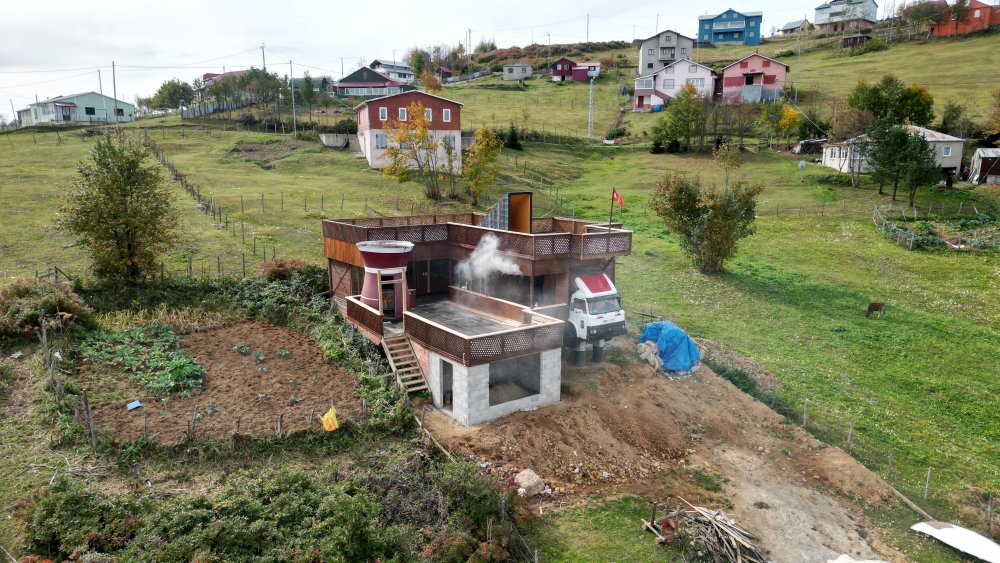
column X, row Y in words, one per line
column 718, row 354
column 295, row 384
column 625, row 428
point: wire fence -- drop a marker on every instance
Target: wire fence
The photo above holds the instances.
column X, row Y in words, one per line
column 937, row 490
column 911, row 239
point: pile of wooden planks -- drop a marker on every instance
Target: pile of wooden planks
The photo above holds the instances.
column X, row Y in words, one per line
column 722, row 538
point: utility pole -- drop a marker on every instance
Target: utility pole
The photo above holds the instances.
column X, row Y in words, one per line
column 469, row 45
column 104, row 100
column 341, row 67
column 798, row 68
column 590, row 116
column 291, row 84
column 12, row 112
column 588, row 28
column 657, row 30
column 262, row 59
column 550, row 46
column 114, row 88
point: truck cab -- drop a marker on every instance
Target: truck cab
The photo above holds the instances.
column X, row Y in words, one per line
column 595, row 311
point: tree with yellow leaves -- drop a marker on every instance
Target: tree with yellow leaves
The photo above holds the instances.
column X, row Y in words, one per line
column 790, row 120
column 430, row 82
column 482, row 162
column 414, row 152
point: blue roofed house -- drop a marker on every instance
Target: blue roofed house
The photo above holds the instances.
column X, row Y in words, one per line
column 731, row 27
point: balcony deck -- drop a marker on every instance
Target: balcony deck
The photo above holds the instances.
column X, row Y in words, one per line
column 551, row 237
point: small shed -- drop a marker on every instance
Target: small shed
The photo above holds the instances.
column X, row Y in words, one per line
column 444, row 73
column 583, row 72
column 854, row 40
column 562, row 69
column 518, row 70
column 985, row 166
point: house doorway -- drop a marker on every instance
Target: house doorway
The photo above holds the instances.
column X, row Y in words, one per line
column 447, row 379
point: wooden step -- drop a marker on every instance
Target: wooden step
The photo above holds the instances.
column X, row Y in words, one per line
column 410, row 369
column 413, row 388
column 411, row 375
column 401, row 361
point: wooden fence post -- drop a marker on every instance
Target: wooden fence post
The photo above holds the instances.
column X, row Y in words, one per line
column 927, row 484
column 805, row 414
column 989, row 515
column 850, row 437
column 190, row 266
column 90, row 421
column 145, row 426
column 161, row 272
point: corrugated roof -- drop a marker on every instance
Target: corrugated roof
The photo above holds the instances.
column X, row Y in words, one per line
column 395, row 65
column 755, row 55
column 793, row 25
column 668, row 31
column 988, row 153
column 366, row 102
column 744, row 14
column 930, row 135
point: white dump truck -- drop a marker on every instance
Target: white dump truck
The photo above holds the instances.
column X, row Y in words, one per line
column 595, row 311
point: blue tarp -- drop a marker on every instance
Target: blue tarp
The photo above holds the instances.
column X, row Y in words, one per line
column 677, row 350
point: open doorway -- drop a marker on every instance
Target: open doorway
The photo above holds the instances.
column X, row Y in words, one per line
column 515, row 378
column 447, row 379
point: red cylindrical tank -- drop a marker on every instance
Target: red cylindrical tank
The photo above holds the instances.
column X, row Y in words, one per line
column 386, row 259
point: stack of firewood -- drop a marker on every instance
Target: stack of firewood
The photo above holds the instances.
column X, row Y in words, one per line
column 723, row 539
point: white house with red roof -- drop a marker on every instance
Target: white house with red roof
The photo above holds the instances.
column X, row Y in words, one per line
column 444, row 115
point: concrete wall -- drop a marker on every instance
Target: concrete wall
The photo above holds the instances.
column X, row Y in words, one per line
column 471, row 389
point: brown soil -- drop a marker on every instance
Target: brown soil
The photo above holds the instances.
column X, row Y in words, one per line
column 628, row 429
column 266, row 153
column 233, row 387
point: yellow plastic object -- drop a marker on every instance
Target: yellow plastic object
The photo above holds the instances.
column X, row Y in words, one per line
column 330, row 420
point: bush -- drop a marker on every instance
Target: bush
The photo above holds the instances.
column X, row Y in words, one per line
column 511, row 140
column 344, row 126
column 66, row 521
column 279, row 301
column 25, row 301
column 616, row 132
column 282, row 269
column 387, row 406
column 657, row 146
column 870, row 46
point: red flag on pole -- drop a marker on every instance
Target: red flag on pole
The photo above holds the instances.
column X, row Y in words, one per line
column 616, row 197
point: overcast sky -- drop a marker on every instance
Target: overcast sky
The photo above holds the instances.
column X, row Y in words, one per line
column 56, row 47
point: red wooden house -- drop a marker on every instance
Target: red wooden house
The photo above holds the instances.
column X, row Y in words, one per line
column 562, row 69
column 444, row 118
column 754, row 79
column 980, row 16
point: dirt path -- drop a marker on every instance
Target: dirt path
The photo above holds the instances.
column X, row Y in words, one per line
column 626, row 429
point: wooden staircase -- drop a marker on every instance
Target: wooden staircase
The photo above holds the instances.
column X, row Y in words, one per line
column 404, row 363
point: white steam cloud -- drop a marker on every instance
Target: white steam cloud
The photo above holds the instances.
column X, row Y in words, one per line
column 484, row 261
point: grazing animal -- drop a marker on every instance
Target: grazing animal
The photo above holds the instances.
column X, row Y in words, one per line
column 875, row 307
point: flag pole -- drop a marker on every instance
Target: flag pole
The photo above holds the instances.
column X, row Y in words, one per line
column 611, row 218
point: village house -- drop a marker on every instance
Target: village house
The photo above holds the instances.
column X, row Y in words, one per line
column 562, row 69
column 854, row 40
column 76, row 109
column 395, row 70
column 979, row 16
column 663, row 49
column 516, row 71
column 367, row 83
column 845, row 15
column 582, row 72
column 731, row 27
column 444, row 115
column 794, row 28
column 443, row 73
column 483, row 336
column 754, row 78
column 210, row 78
column 658, row 88
column 847, row 156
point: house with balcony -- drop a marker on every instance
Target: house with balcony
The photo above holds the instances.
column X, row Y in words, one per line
column 483, row 336
column 660, row 87
column 663, row 49
column 755, row 78
column 845, row 15
column 395, row 70
column 368, row 83
column 731, row 27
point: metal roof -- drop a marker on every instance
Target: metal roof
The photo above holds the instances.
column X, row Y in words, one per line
column 366, row 102
column 395, row 65
column 793, row 25
column 668, row 31
column 988, row 153
column 744, row 14
column 930, row 135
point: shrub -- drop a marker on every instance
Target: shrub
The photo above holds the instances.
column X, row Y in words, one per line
column 66, row 520
column 25, row 301
column 511, row 140
column 870, row 46
column 282, row 269
column 616, row 132
column 344, row 126
column 387, row 406
column 279, row 301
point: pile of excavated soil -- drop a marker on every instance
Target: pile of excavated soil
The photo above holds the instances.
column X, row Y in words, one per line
column 300, row 386
column 627, row 429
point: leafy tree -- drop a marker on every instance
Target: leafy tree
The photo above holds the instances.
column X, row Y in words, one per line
column 682, row 118
column 812, row 126
column 849, row 123
column 923, row 13
column 960, row 12
column 884, row 152
column 729, row 158
column 709, row 223
column 992, row 123
column 418, row 59
column 307, row 91
column 512, row 140
column 955, row 120
column 482, row 162
column 911, row 104
column 121, row 210
column 172, row 94
column 413, row 152
column 485, row 46
column 920, row 165
column 430, row 82
column 791, row 120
